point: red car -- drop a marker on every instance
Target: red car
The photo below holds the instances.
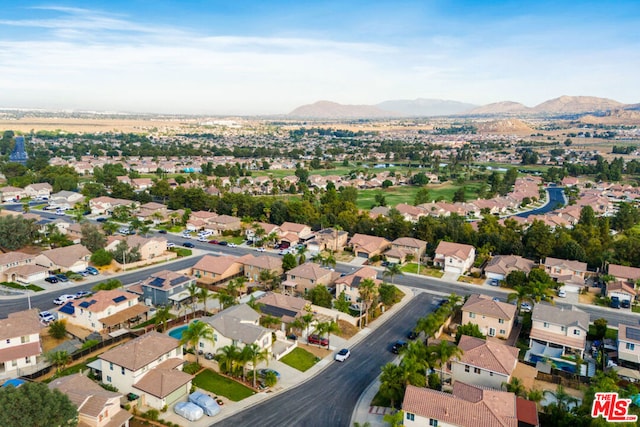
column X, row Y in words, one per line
column 213, row 242
column 316, row 339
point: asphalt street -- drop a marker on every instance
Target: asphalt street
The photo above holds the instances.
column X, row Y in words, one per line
column 328, row 398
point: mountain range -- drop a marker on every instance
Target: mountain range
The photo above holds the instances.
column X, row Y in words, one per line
column 422, row 107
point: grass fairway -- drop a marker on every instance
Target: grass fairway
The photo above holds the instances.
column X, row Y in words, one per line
column 300, row 359
column 407, row 194
column 223, row 386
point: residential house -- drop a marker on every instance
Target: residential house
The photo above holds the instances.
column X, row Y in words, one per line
column 223, row 223
column 41, row 190
column 303, row 278
column 149, row 366
column 104, row 311
column 67, row 258
column 104, row 205
column 250, row 232
column 328, row 239
column 365, row 246
column 350, row 284
column 238, row 325
column 97, row 407
column 10, row 193
column 292, row 233
column 454, row 257
column 466, row 406
column 623, row 290
column 65, row 199
column 214, row 270
column 410, row 213
column 254, row 265
column 623, row 273
column 20, row 267
column 500, row 266
column 148, row 247
column 558, row 331
column 484, row 363
column 285, row 307
column 199, row 219
column 404, row 247
column 494, row 318
column 141, row 184
column 19, row 343
column 569, row 273
column 166, row 287
column 629, row 345
column 154, row 212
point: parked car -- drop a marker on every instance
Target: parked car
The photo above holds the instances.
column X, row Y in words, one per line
column 525, row 307
column 171, row 245
column 207, row 403
column 62, row 277
column 101, row 219
column 92, row 271
column 82, row 294
column 60, row 212
column 188, row 245
column 232, row 245
column 223, row 243
column 342, row 355
column 263, row 372
column 562, row 293
column 202, row 239
column 494, row 282
column 63, row 299
column 625, row 303
column 46, row 317
column 162, row 231
column 83, row 273
column 214, row 242
column 260, row 249
column 412, row 335
column 316, row 339
column 51, row 279
column 615, row 302
column 397, row 346
column 188, row 410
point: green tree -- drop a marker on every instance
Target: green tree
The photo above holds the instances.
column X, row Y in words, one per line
column 388, row 293
column 391, row 383
column 58, row 329
column 470, row 329
column 516, row 278
column 521, row 294
column 196, row 332
column 422, row 196
column 368, row 294
column 16, row 232
column 392, row 270
column 320, row 296
column 442, row 353
column 288, row 262
column 600, row 326
column 341, row 303
column 163, row 314
column 108, row 285
column 228, row 357
column 429, row 324
column 516, row 387
column 92, row 237
column 204, row 295
column 394, row 419
column 101, row 257
column 194, row 296
column 59, row 359
column 35, row 405
column 255, row 355
column 459, row 195
column 327, row 328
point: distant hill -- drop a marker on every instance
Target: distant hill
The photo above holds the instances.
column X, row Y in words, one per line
column 576, row 104
column 422, row 107
column 500, row 108
column 505, row 126
column 614, row 117
column 333, row 110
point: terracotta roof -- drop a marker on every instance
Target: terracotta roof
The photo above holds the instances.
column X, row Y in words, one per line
column 625, row 330
column 102, row 300
column 164, row 379
column 14, row 257
column 485, row 305
column 20, row 351
column 568, row 264
column 368, row 243
column 458, row 250
column 619, row 286
column 215, row 264
column 264, row 262
column 410, row 242
column 26, row 270
column 67, row 255
column 488, row 355
column 630, row 273
column 355, row 278
column 453, row 410
column 309, row 270
column 237, row 323
column 505, row 264
column 293, row 227
column 19, row 324
column 88, row 396
column 141, row 351
column 284, row 301
column 527, row 412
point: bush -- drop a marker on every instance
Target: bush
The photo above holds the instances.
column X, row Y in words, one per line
column 109, row 387
column 101, row 257
column 375, row 258
column 434, row 381
column 164, row 408
column 58, row 329
column 192, row 368
column 152, row 414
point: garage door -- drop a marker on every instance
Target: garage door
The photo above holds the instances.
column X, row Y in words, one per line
column 363, row 255
column 450, row 269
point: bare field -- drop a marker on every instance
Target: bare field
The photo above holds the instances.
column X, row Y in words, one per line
column 94, row 125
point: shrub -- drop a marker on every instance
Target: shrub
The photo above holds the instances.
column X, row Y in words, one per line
column 152, row 414
column 164, row 408
column 101, row 257
column 192, row 368
column 58, row 329
column 89, row 344
column 109, row 387
column 434, row 381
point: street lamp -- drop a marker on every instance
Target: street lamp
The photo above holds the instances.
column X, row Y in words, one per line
column 418, row 256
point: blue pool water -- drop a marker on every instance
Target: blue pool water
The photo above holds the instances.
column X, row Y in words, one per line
column 177, row 332
column 560, row 364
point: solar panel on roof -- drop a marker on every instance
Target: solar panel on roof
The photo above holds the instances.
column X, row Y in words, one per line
column 84, row 304
column 120, row 298
column 158, row 281
column 633, row 333
column 177, row 281
column 67, row 308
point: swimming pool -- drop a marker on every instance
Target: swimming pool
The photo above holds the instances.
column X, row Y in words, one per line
column 559, row 363
column 177, row 332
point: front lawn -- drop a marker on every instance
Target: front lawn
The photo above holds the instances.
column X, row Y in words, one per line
column 222, row 386
column 19, row 286
column 300, row 359
column 424, row 271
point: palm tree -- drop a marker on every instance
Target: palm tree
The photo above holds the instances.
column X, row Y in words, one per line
column 418, row 352
column 144, row 230
column 270, row 279
column 203, row 295
column 521, row 294
column 368, row 293
column 442, row 353
column 318, row 258
column 254, row 304
column 256, row 355
column 268, row 321
column 453, row 300
column 235, row 286
column 391, row 271
column 429, row 325
column 391, row 383
column 303, row 322
column 110, row 227
column 194, row 294
column 330, row 260
column 516, row 387
column 562, row 401
column 541, row 291
column 59, row 359
column 228, row 356
column 326, row 328
column 301, row 256
column 258, row 232
column 162, row 315
column 196, row 332
column 535, row 395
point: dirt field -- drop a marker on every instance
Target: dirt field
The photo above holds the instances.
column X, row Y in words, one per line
column 315, row 350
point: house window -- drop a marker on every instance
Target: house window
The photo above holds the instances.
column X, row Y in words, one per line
column 201, row 344
column 8, row 340
column 14, row 363
column 562, row 329
column 503, row 332
column 466, row 368
column 433, row 422
column 122, row 370
column 411, row 417
column 215, row 337
column 501, row 321
column 576, row 332
column 108, row 379
column 630, row 346
column 476, row 370
column 24, row 339
column 27, row 359
column 472, row 315
column 111, row 366
column 546, row 325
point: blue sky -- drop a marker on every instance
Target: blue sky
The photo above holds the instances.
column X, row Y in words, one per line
column 268, row 57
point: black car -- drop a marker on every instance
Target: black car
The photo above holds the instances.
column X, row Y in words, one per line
column 625, row 303
column 615, row 302
column 412, row 335
column 51, row 279
column 188, row 245
column 101, row 219
column 162, row 231
column 223, row 243
column 397, row 346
